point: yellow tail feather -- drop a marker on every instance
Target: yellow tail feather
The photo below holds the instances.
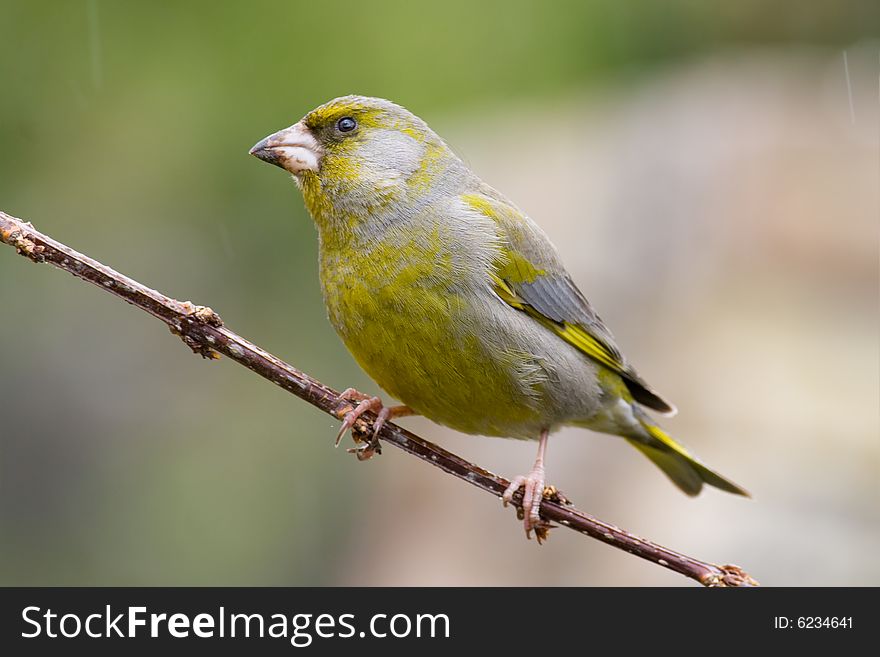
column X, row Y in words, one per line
column 684, row 470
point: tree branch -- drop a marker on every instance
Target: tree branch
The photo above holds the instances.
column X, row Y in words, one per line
column 203, row 331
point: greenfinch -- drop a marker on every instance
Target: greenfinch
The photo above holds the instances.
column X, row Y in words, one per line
column 454, row 301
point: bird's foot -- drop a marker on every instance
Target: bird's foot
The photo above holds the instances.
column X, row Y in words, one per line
column 533, row 492
column 365, row 448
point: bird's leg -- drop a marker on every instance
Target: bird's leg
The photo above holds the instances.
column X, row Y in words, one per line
column 367, row 403
column 533, row 493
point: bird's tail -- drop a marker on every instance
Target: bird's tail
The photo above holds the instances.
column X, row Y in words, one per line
column 684, row 470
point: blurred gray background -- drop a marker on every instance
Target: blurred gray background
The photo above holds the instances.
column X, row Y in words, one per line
column 710, row 176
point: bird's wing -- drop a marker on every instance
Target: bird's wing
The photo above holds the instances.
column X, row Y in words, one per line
column 530, row 277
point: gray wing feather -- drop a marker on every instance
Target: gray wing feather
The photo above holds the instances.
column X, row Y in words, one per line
column 558, row 298
column 555, row 296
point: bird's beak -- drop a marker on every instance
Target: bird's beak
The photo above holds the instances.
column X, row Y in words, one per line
column 294, row 149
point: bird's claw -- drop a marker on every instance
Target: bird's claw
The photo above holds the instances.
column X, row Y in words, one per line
column 352, row 416
column 530, row 511
column 364, row 450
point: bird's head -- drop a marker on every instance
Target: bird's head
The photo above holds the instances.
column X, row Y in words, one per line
column 357, row 155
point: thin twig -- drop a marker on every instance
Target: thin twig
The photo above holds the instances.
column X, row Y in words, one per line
column 203, row 331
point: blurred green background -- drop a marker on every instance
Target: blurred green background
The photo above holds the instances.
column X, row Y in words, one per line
column 709, row 173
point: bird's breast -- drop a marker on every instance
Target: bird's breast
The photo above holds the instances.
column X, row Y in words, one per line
column 409, row 309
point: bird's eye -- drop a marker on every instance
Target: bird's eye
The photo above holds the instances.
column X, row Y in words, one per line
column 346, row 124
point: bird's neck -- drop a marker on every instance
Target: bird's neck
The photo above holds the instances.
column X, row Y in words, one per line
column 355, row 209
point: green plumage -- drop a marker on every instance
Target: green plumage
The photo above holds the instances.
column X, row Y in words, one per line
column 451, row 298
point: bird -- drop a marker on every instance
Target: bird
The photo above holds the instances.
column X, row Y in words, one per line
column 455, row 302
